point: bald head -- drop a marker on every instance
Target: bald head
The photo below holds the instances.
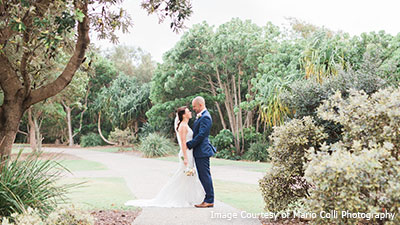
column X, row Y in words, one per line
column 198, row 104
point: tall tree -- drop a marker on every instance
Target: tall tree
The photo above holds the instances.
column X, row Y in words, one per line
column 132, row 61
column 33, row 32
column 220, row 63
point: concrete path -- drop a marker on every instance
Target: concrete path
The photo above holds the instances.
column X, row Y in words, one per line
column 145, row 177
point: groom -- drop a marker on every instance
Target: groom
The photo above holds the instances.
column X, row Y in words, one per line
column 202, row 149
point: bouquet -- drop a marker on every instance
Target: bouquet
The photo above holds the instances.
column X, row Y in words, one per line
column 189, row 171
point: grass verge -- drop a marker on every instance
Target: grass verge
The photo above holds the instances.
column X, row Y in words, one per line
column 82, row 165
column 107, row 193
column 239, row 195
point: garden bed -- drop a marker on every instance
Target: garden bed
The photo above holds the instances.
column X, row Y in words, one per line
column 116, row 217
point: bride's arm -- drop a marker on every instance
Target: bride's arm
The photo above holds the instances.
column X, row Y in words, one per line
column 182, row 134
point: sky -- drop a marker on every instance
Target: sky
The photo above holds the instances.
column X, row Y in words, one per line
column 352, row 16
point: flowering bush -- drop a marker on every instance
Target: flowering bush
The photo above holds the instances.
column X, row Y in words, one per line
column 366, row 181
column 122, row 137
column 64, row 215
column 366, row 119
column 284, row 183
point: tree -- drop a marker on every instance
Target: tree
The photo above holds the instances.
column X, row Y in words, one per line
column 124, row 102
column 71, row 98
column 219, row 64
column 32, row 33
column 132, row 61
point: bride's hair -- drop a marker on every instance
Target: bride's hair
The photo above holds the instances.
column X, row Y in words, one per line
column 180, row 111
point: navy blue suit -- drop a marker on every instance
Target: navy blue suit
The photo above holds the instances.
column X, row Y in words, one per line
column 202, row 151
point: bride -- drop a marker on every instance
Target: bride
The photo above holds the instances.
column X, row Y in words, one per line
column 184, row 188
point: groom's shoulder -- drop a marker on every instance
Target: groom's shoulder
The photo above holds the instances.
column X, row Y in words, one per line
column 207, row 113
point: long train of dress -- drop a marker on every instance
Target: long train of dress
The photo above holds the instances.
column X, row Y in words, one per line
column 181, row 190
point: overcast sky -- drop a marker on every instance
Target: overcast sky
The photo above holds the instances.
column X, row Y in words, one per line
column 352, row 16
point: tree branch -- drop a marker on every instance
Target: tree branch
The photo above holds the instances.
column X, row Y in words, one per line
column 24, row 73
column 22, row 132
column 66, row 76
column 9, row 81
column 84, row 110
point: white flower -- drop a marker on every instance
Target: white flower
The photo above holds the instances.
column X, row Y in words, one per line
column 198, row 116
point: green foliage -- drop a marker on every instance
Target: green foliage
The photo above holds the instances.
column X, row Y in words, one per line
column 223, row 142
column 304, row 96
column 366, row 119
column 30, row 182
column 91, row 139
column 161, row 116
column 366, row 181
column 284, row 183
column 277, row 70
column 156, row 145
column 124, row 101
column 145, row 130
column 61, row 216
column 177, row 10
column 132, row 61
column 122, row 137
column 250, row 136
column 257, row 152
column 358, row 173
column 325, row 54
column 69, row 215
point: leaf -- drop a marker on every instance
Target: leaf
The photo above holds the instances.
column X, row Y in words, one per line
column 79, row 15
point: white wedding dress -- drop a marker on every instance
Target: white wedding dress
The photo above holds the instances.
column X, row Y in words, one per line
column 181, row 190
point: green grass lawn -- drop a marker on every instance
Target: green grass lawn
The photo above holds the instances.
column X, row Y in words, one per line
column 99, row 193
column 252, row 166
column 82, row 165
column 239, row 195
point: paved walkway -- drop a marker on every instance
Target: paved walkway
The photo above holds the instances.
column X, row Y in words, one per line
column 145, row 177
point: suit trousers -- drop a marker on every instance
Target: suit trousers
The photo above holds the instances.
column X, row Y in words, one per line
column 203, row 170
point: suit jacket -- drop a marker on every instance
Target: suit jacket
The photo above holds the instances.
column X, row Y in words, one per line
column 201, row 130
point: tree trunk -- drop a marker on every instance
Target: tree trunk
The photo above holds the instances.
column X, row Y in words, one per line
column 69, row 125
column 214, row 93
column 38, row 134
column 101, row 135
column 10, row 116
column 19, row 96
column 236, row 116
column 136, row 128
column 32, row 134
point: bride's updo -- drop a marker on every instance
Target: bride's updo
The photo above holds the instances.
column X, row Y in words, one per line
column 180, row 112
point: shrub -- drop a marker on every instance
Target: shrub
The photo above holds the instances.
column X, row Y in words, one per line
column 156, row 145
column 122, row 137
column 145, row 130
column 30, row 183
column 223, row 141
column 250, row 136
column 366, row 119
column 284, row 183
column 64, row 215
column 366, row 181
column 305, row 96
column 91, row 139
column 257, row 152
